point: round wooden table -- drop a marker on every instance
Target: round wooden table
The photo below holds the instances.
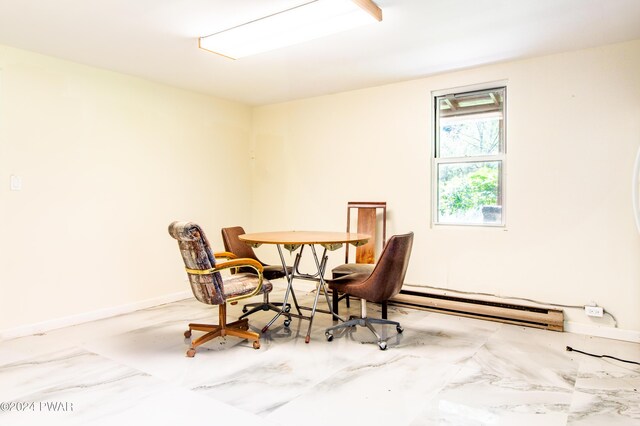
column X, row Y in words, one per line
column 292, row 240
column 298, row 238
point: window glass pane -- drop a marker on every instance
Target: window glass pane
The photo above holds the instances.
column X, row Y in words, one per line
column 469, row 193
column 470, row 124
column 469, row 137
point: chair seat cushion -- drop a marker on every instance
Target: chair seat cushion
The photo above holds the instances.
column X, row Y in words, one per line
column 243, row 283
column 347, row 281
column 273, row 272
column 352, row 284
column 352, row 268
column 270, row 272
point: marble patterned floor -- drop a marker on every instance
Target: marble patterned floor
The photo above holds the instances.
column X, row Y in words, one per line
column 443, row 370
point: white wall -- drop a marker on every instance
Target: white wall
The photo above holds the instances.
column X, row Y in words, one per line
column 107, row 162
column 573, row 131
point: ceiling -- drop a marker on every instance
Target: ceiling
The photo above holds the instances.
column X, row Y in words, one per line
column 157, row 40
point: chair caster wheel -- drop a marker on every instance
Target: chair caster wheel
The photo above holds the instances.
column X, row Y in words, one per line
column 287, row 322
column 329, row 337
column 187, row 334
column 383, row 345
column 244, row 310
column 191, row 352
column 287, row 308
column 399, row 329
column 256, row 345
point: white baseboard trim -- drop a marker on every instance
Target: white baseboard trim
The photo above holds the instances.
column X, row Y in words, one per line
column 44, row 326
column 602, row 331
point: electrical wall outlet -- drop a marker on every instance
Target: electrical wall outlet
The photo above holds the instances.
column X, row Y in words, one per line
column 15, row 183
column 594, row 311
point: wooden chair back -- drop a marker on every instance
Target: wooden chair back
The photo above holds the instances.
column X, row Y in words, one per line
column 367, row 223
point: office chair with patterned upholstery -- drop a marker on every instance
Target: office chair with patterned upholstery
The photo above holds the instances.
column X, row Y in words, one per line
column 381, row 285
column 211, row 288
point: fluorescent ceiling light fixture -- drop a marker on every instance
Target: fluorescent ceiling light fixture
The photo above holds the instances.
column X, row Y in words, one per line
column 305, row 22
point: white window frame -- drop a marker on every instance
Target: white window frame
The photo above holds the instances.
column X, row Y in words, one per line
column 436, row 161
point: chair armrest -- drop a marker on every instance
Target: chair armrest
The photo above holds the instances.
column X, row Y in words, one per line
column 235, row 263
column 225, row 255
column 239, row 262
column 251, row 263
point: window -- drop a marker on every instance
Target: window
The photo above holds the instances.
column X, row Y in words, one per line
column 469, row 157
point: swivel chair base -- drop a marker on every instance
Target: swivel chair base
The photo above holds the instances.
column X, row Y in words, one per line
column 265, row 305
column 364, row 321
column 238, row 328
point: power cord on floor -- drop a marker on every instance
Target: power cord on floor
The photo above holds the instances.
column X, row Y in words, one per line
column 615, row 322
column 569, row 349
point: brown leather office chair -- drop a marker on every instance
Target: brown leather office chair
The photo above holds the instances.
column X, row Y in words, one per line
column 365, row 255
column 270, row 272
column 209, row 287
column 382, row 284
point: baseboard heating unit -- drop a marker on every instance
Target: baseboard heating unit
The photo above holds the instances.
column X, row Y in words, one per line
column 550, row 319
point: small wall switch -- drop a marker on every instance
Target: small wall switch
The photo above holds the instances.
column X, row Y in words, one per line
column 594, row 311
column 15, row 183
